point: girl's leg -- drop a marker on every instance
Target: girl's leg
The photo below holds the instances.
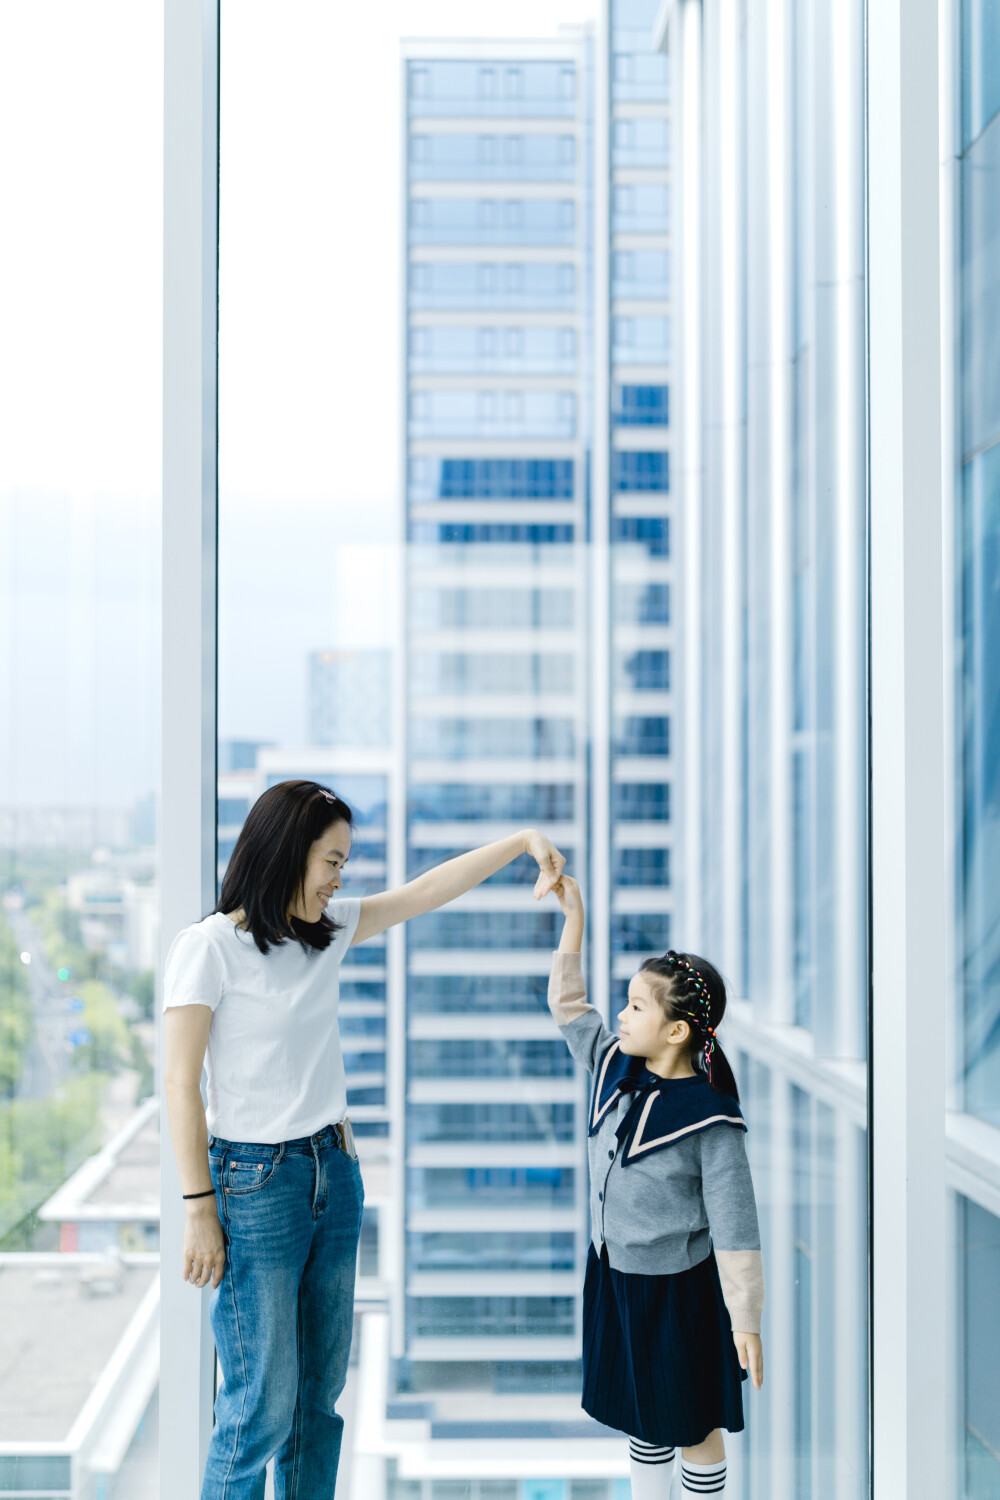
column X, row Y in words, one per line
column 306, row 1466
column 703, row 1468
column 650, row 1470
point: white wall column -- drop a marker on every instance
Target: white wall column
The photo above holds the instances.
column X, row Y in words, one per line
column 188, row 821
column 909, row 894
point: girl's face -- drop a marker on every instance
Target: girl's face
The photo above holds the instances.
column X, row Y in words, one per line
column 645, row 1030
column 327, row 858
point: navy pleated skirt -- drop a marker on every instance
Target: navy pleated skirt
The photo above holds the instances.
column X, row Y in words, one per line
column 659, row 1361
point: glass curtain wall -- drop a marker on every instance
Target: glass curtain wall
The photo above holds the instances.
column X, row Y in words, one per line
column 775, row 693
column 974, row 1121
column 80, row 312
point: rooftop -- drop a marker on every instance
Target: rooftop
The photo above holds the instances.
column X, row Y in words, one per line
column 65, row 1319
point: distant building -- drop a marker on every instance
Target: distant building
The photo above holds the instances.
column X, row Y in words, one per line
column 112, row 1200
column 76, row 1401
column 350, row 698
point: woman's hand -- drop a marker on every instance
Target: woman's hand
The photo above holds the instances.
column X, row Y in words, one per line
column 751, row 1356
column 550, row 862
column 204, row 1258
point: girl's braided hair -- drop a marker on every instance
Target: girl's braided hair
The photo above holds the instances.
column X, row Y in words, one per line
column 691, row 989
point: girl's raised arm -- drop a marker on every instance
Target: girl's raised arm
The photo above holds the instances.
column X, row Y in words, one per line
column 456, row 876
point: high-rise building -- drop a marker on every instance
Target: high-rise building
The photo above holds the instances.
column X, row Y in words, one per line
column 498, row 437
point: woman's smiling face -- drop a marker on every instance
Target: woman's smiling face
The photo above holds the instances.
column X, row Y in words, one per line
column 323, row 878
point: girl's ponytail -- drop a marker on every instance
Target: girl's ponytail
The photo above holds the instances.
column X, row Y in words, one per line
column 695, row 991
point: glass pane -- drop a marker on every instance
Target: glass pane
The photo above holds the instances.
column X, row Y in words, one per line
column 409, row 617
column 80, row 310
column 974, row 1092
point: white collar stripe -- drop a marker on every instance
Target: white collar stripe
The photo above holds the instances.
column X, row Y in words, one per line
column 598, row 1110
column 638, row 1145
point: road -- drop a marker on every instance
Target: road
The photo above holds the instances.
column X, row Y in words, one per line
column 48, row 1060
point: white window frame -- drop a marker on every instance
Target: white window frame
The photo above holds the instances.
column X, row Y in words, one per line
column 190, row 513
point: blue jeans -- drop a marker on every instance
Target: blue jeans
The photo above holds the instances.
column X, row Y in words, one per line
column 283, row 1314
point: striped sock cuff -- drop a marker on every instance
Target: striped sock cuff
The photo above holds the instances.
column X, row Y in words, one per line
column 649, row 1453
column 703, row 1479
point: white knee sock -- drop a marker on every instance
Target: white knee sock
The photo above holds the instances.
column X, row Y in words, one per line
column 703, row 1479
column 650, row 1469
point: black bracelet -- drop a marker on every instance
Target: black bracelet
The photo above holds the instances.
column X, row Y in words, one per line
column 209, row 1194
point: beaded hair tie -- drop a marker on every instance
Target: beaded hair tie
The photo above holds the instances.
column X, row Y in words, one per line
column 694, row 988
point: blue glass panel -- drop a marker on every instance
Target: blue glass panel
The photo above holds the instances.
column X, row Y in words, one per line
column 980, row 65
column 490, row 1122
column 461, row 87
column 980, row 1239
column 233, row 809
column 491, row 1250
column 980, row 290
column 454, row 532
column 457, row 801
column 651, row 533
column 491, row 739
column 492, row 221
column 492, row 158
column 489, row 1057
column 642, row 603
column 357, row 1097
column 640, row 143
column 641, row 867
column 640, row 735
column 640, row 273
column 489, row 1317
column 648, row 932
column 640, row 405
column 432, row 993
column 640, row 340
column 979, row 745
column 534, row 672
column 640, row 801
column 643, row 671
column 493, row 286
column 433, row 1187
column 494, row 930
column 641, row 208
column 504, row 478
column 640, row 471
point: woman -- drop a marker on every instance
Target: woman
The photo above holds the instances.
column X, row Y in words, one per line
column 269, row 1172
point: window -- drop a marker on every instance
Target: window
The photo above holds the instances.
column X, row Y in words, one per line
column 634, row 471
column 641, row 802
column 639, row 405
column 642, row 867
column 651, row 533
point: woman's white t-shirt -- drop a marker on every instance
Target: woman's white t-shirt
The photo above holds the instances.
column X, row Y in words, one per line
column 275, row 1068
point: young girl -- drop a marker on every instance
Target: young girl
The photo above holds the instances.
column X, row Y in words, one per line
column 674, row 1289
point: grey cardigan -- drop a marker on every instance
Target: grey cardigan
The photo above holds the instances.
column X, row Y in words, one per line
column 664, row 1212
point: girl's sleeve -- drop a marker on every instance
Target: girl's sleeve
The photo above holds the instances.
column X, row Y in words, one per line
column 586, row 1034
column 732, row 1219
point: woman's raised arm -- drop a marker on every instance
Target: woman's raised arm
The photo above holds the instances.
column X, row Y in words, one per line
column 456, row 876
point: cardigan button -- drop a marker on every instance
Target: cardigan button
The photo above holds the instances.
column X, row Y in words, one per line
column 611, row 1155
column 600, row 1197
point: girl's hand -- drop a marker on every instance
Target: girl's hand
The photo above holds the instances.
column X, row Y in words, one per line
column 751, row 1356
column 567, row 893
column 550, row 862
column 204, row 1257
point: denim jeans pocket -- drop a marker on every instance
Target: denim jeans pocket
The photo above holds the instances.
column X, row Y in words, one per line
column 243, row 1175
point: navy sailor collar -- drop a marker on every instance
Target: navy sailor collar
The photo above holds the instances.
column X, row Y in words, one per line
column 663, row 1110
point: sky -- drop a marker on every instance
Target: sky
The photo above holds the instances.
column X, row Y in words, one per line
column 309, row 340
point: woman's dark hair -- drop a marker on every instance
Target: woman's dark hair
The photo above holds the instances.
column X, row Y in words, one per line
column 268, row 864
column 689, row 988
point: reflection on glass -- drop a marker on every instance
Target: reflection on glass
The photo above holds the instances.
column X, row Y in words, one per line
column 79, row 751
column 975, row 1095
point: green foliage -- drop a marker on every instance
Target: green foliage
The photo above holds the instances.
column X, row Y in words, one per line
column 143, row 992
column 110, row 1045
column 42, row 1141
column 17, row 1027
